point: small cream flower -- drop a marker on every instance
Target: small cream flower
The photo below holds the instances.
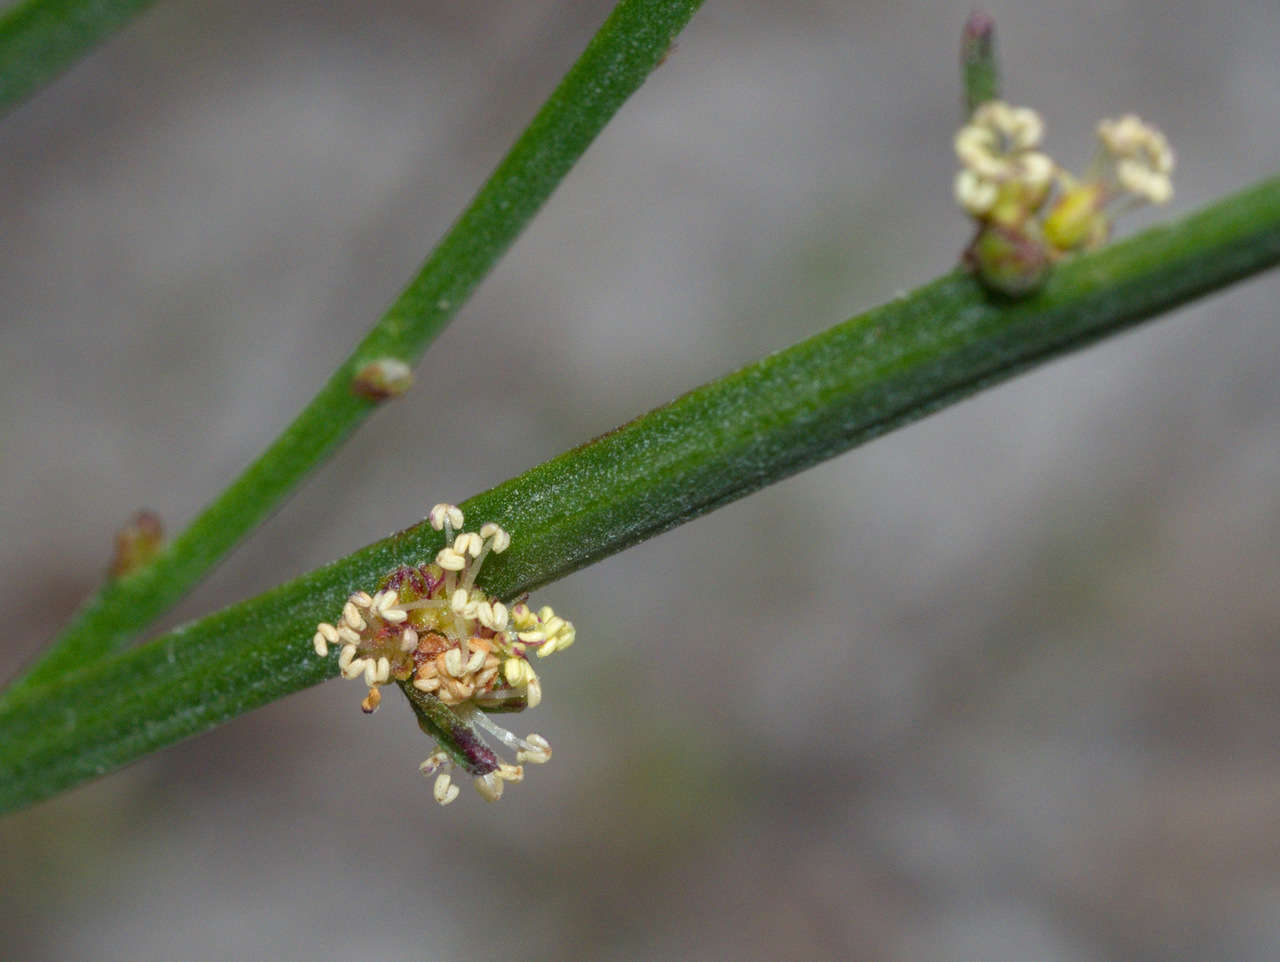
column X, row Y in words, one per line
column 1132, row 167
column 1142, row 158
column 432, row 628
column 998, row 138
column 1005, row 183
column 1001, row 172
column 974, row 193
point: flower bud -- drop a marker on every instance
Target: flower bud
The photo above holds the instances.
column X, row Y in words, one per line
column 1076, row 220
column 1009, row 261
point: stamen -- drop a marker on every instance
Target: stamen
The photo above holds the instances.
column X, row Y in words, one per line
column 507, row 738
column 534, row 690
column 522, row 617
column 537, row 750
column 445, row 791
column 455, row 643
column 489, row 786
column 498, row 539
column 515, row 670
column 435, row 762
column 446, row 516
column 468, row 543
column 450, row 560
column 498, row 612
column 351, row 616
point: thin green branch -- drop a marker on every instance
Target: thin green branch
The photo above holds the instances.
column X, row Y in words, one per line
column 616, row 61
column 41, row 38
column 880, row 370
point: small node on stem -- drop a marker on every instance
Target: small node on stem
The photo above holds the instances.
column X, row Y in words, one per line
column 1008, row 261
column 137, row 543
column 382, row 379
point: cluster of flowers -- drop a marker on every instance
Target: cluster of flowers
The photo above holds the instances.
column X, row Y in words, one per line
column 432, row 628
column 1029, row 210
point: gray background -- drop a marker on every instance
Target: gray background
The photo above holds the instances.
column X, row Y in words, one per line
column 1002, row 685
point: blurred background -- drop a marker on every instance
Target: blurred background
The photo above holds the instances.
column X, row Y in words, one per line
column 1002, row 685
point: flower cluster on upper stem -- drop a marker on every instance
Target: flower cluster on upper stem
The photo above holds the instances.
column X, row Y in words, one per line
column 431, row 627
column 1029, row 210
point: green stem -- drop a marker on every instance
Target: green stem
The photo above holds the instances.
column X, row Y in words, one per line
column 41, row 38
column 849, row 384
column 979, row 63
column 616, row 61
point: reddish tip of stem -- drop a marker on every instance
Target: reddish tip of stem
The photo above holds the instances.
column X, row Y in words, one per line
column 980, row 28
